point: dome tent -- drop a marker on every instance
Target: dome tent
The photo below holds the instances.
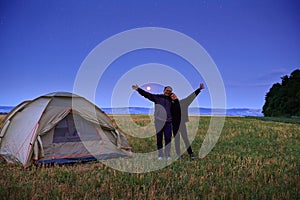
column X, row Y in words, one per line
column 49, row 129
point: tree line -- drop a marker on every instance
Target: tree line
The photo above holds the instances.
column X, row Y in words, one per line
column 283, row 100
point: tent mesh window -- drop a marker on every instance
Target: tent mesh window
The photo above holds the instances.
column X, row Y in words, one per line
column 69, row 131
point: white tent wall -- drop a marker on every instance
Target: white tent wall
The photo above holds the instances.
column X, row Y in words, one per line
column 92, row 113
column 19, row 136
column 9, row 116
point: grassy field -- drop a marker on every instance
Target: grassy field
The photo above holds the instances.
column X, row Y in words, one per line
column 253, row 159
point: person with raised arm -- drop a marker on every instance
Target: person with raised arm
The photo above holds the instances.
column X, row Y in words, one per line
column 162, row 118
column 179, row 114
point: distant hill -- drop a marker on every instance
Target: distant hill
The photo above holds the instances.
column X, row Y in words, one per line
column 192, row 111
column 5, row 109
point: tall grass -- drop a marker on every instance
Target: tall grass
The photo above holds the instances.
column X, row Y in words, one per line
column 253, row 159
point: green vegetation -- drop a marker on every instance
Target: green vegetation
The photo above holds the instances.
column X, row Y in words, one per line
column 283, row 100
column 295, row 120
column 253, row 159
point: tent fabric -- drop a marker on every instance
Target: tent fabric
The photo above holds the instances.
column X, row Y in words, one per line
column 50, row 128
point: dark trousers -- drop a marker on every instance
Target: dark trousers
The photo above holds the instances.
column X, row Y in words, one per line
column 163, row 129
column 183, row 132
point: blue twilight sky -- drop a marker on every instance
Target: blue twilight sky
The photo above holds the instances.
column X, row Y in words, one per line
column 44, row 43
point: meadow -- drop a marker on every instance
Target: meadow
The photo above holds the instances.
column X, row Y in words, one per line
column 253, row 159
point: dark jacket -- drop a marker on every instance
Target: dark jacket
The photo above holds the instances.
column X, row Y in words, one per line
column 162, row 109
column 179, row 108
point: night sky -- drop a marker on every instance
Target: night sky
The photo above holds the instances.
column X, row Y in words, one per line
column 44, row 44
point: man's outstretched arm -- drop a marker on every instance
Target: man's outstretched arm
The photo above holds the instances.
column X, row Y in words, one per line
column 145, row 94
